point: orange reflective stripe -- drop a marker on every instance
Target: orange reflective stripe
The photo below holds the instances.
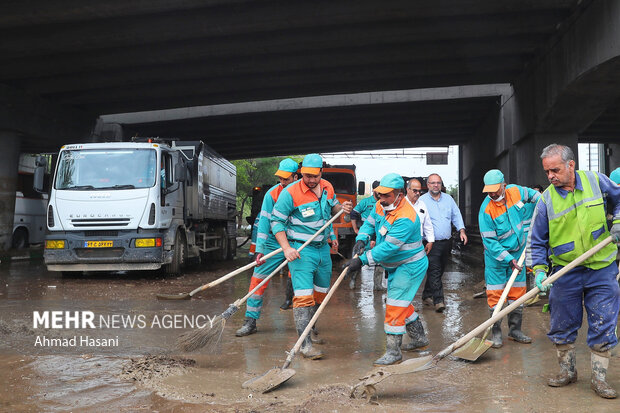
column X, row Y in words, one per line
column 516, row 292
column 319, row 297
column 254, row 282
column 303, row 301
column 396, row 316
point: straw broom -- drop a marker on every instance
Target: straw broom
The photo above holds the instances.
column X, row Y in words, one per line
column 211, row 336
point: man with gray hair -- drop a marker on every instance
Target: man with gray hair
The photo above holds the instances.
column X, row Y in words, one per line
column 570, row 220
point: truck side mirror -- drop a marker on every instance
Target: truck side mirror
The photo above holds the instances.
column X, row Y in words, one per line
column 180, row 172
column 39, row 173
column 361, row 188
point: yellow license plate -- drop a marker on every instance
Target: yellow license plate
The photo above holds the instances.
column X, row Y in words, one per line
column 98, row 244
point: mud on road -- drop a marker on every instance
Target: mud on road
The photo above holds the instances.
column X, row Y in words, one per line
column 148, row 374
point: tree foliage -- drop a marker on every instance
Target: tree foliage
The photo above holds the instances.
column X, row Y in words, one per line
column 251, row 173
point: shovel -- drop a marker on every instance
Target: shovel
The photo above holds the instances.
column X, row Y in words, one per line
column 424, row 363
column 187, row 296
column 478, row 346
column 276, row 376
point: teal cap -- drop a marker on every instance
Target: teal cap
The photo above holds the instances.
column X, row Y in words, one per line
column 287, row 168
column 615, row 176
column 493, row 180
column 312, row 164
column 389, row 183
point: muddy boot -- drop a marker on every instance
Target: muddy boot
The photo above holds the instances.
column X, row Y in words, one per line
column 302, row 318
column 496, row 333
column 600, row 362
column 568, row 371
column 515, row 320
column 248, row 327
column 378, row 276
column 352, row 278
column 419, row 341
column 314, row 333
column 392, row 353
column 288, row 302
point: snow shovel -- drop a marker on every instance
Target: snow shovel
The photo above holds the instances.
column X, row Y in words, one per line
column 276, row 376
column 187, row 296
column 425, row 363
column 478, row 346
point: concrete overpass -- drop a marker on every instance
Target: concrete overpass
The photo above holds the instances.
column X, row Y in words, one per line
column 501, row 79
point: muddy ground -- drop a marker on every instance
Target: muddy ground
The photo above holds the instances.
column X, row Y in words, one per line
column 146, row 373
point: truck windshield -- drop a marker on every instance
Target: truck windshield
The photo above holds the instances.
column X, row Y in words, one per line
column 343, row 183
column 106, row 169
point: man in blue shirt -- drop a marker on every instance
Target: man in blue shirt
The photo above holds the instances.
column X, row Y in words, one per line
column 443, row 212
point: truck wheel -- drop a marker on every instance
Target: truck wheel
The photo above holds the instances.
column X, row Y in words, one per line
column 222, row 254
column 20, row 238
column 179, row 255
column 232, row 248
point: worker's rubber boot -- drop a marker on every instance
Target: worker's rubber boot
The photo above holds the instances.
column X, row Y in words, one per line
column 600, row 363
column 248, row 327
column 419, row 341
column 288, row 302
column 302, row 318
column 314, row 333
column 515, row 319
column 568, row 371
column 378, row 276
column 392, row 353
column 496, row 333
column 352, row 278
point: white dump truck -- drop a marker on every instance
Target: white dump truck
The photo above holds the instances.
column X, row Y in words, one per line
column 139, row 206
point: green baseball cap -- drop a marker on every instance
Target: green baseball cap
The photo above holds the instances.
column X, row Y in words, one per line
column 287, row 168
column 312, row 164
column 389, row 183
column 493, row 180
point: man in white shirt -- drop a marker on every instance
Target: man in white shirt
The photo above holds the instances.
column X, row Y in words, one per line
column 414, row 190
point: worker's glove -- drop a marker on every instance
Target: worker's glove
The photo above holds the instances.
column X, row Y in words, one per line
column 615, row 232
column 515, row 265
column 358, row 247
column 540, row 277
column 259, row 259
column 355, row 264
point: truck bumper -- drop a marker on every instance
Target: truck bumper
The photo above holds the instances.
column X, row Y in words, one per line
column 122, row 255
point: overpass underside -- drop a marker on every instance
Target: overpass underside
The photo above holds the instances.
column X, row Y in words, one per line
column 500, row 79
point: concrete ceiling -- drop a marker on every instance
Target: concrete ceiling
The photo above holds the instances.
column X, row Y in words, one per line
column 115, row 56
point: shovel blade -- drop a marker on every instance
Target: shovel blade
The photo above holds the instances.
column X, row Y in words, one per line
column 475, row 348
column 180, row 296
column 269, row 381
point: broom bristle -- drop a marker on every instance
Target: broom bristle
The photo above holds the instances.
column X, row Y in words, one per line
column 209, row 336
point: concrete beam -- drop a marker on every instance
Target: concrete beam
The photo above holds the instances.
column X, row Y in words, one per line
column 312, row 102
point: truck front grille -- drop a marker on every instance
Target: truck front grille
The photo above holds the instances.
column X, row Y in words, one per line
column 100, row 222
column 99, row 252
column 108, row 233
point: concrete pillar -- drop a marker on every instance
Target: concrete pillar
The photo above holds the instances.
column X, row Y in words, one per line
column 9, row 158
column 614, row 158
column 525, row 163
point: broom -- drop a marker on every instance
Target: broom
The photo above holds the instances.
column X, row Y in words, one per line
column 211, row 335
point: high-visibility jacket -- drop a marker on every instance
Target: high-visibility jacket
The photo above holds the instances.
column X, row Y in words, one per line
column 264, row 235
column 300, row 213
column 577, row 223
column 501, row 223
column 365, row 207
column 399, row 239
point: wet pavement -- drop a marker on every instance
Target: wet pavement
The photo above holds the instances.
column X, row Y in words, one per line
column 121, row 378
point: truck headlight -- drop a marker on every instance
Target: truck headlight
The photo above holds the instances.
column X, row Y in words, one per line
column 148, row 242
column 54, row 244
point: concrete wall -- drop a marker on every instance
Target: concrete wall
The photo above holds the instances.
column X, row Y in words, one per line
column 9, row 158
